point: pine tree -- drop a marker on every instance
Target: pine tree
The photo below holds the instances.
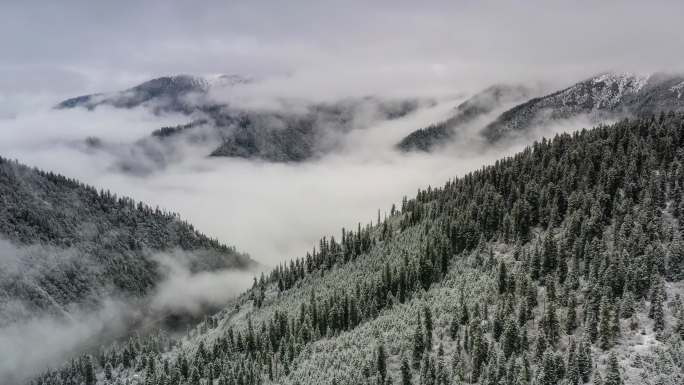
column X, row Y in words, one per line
column 573, row 373
column 613, row 371
column 509, row 343
column 597, row 380
column 108, row 371
column 549, row 257
column 605, row 332
column 550, row 324
column 503, row 278
column 571, row 315
column 418, row 344
column 656, row 312
column 428, row 327
column 584, row 360
column 547, row 370
column 405, row 371
column 540, row 346
column 591, row 325
column 454, row 327
column 89, row 373
column 382, row 361
column 615, row 325
column 523, row 377
column 627, row 305
column 194, row 376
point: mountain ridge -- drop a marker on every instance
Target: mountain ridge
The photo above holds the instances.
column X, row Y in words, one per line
column 273, row 135
column 606, row 96
column 477, row 106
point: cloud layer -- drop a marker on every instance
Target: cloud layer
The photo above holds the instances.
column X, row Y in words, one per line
column 82, row 46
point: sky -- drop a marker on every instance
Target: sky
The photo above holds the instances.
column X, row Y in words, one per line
column 74, row 47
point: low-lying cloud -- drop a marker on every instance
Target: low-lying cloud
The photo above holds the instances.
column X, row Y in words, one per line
column 32, row 342
column 273, row 211
column 183, row 292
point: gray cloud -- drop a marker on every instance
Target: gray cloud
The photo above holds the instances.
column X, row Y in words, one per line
column 83, row 46
column 272, row 211
column 32, row 342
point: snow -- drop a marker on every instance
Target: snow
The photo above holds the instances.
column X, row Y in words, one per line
column 678, row 88
column 226, row 80
column 626, row 82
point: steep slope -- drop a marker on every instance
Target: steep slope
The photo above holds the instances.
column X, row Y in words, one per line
column 562, row 264
column 607, row 96
column 65, row 244
column 479, row 105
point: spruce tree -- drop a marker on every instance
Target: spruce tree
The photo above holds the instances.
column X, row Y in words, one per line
column 627, row 304
column 503, row 278
column 405, row 371
column 108, row 371
column 509, row 341
column 428, row 327
column 381, row 361
column 418, row 344
column 597, row 380
column 89, row 374
column 571, row 315
column 454, row 327
column 549, row 257
column 540, row 346
column 657, row 314
column 605, row 332
column 584, row 360
column 613, row 371
column 546, row 374
column 615, row 325
column 550, row 324
column 573, row 373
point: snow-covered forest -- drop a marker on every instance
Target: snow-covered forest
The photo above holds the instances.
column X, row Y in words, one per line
column 561, row 264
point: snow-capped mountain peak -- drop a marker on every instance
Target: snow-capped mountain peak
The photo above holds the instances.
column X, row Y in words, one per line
column 624, row 82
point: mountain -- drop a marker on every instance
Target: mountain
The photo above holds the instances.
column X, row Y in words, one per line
column 282, row 136
column 563, row 264
column 292, row 133
column 66, row 245
column 604, row 97
column 168, row 93
column 474, row 108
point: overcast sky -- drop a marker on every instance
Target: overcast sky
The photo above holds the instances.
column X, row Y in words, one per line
column 72, row 47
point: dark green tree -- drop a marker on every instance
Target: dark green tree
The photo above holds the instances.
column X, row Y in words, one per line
column 381, row 359
column 613, row 371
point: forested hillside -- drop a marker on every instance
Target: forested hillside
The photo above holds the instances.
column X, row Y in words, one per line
column 474, row 108
column 562, row 264
column 65, row 243
column 603, row 97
